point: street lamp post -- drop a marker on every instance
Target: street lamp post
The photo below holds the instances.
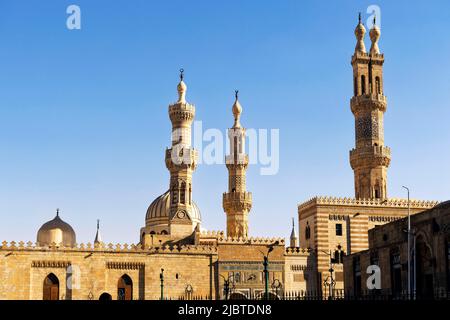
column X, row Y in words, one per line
column 266, row 270
column 409, row 244
column 266, row 277
column 161, row 278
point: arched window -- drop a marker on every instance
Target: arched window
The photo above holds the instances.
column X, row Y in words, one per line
column 307, row 231
column 125, row 288
column 51, row 287
column 190, row 193
column 174, row 194
column 363, row 84
column 378, row 84
column 164, row 232
column 152, row 232
column 355, row 86
column 183, row 193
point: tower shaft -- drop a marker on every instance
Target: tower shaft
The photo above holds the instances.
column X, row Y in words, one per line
column 370, row 158
column 181, row 161
column 237, row 202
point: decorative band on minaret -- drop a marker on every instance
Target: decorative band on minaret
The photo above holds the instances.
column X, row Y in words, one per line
column 237, row 202
column 370, row 158
column 181, row 160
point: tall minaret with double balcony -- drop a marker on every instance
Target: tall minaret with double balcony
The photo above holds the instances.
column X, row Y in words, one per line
column 370, row 158
column 181, row 160
column 237, row 202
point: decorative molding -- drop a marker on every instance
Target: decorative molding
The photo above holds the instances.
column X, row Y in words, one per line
column 50, row 264
column 125, row 265
column 337, row 217
column 383, row 219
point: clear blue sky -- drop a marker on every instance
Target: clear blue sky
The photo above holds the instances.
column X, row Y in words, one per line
column 83, row 113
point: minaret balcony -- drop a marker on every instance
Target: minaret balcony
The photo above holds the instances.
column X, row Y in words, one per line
column 372, row 101
column 371, row 156
column 181, row 112
column 240, row 158
column 185, row 157
column 237, row 200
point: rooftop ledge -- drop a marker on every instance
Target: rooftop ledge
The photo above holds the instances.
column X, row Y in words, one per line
column 392, row 202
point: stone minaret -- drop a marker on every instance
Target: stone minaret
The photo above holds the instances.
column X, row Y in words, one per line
column 181, row 161
column 237, row 202
column 370, row 158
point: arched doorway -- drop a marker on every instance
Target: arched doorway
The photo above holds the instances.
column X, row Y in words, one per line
column 105, row 296
column 51, row 287
column 424, row 272
column 125, row 288
column 238, row 296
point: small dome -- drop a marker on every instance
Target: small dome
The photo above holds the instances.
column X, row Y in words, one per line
column 159, row 210
column 237, row 108
column 360, row 30
column 56, row 232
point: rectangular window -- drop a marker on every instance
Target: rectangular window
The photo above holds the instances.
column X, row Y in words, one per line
column 338, row 229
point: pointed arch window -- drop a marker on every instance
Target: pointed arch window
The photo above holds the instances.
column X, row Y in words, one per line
column 378, row 84
column 183, row 193
column 363, row 84
column 307, row 231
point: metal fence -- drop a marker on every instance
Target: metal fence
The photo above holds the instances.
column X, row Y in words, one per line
column 337, row 295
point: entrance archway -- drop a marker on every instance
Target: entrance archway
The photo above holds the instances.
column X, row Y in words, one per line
column 125, row 288
column 238, row 296
column 425, row 269
column 51, row 288
column 105, row 296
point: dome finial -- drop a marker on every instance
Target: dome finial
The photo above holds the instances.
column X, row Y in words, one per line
column 181, row 74
column 182, row 88
column 374, row 37
column 57, row 212
column 237, row 110
column 360, row 32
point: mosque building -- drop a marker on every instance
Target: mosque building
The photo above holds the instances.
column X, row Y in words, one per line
column 174, row 258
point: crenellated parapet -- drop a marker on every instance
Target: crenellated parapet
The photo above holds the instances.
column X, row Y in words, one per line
column 212, row 233
column 250, row 241
column 395, row 203
column 297, row 251
column 110, row 248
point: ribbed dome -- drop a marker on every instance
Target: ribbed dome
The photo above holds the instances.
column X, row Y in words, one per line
column 159, row 210
column 56, row 232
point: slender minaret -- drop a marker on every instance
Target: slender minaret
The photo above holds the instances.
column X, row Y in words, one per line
column 294, row 238
column 98, row 237
column 181, row 161
column 370, row 158
column 237, row 202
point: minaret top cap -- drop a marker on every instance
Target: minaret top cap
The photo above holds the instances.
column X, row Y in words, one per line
column 360, row 32
column 293, row 232
column 98, row 238
column 374, row 37
column 237, row 110
column 182, row 88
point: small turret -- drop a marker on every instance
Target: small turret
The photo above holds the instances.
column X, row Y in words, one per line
column 293, row 238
